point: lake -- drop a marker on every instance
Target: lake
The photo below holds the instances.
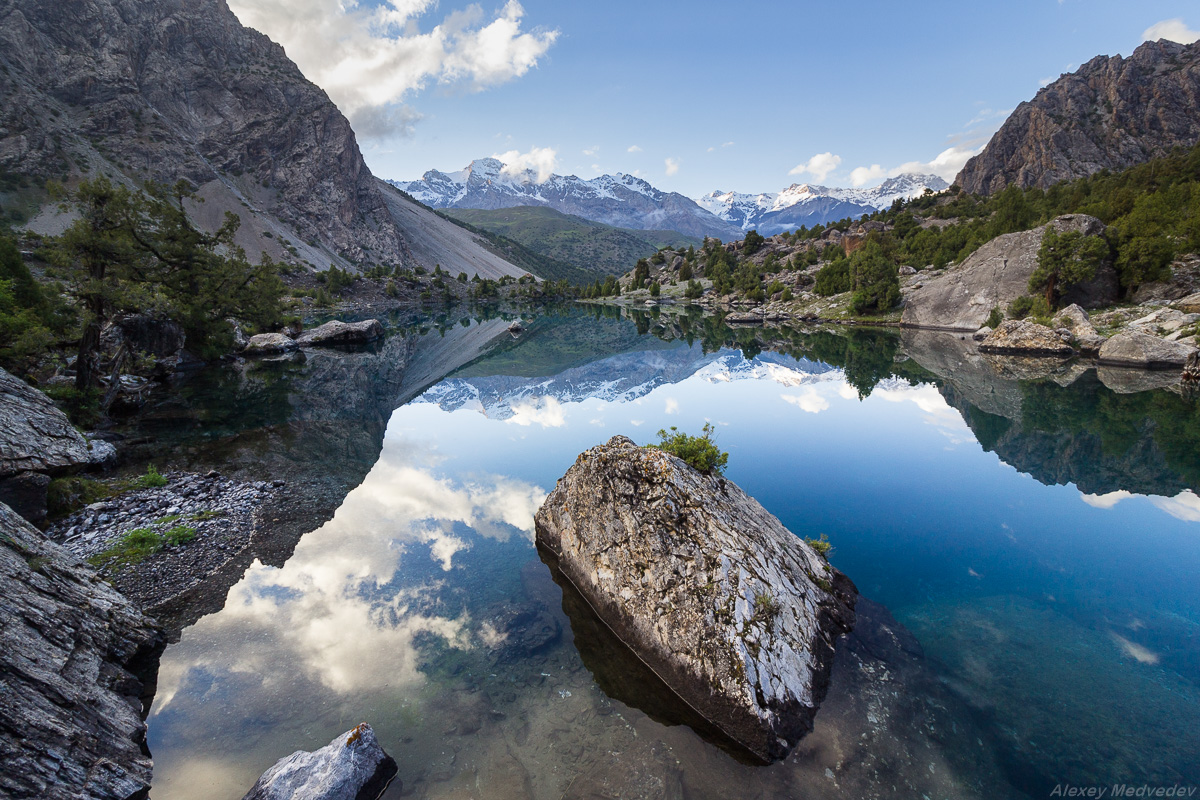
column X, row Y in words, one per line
column 1026, row 539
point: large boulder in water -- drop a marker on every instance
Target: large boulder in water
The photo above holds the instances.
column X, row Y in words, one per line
column 998, row 273
column 73, row 656
column 1138, row 349
column 1023, row 337
column 728, row 607
column 351, row 767
column 337, row 332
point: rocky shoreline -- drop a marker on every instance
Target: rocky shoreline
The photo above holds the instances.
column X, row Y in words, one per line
column 217, row 516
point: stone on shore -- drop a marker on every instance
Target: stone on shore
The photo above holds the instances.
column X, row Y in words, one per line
column 351, row 767
column 337, row 332
column 269, row 344
column 731, row 610
column 72, row 651
column 1137, row 349
column 1025, row 338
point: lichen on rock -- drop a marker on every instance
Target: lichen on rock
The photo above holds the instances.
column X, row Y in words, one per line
column 734, row 612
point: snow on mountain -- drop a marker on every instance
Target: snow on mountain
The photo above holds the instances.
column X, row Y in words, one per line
column 809, row 204
column 625, row 201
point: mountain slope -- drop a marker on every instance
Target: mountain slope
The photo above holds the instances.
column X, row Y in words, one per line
column 591, row 246
column 1112, row 113
column 171, row 89
column 622, row 201
column 808, row 204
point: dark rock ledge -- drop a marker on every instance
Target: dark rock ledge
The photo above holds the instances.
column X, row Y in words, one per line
column 76, row 659
column 732, row 611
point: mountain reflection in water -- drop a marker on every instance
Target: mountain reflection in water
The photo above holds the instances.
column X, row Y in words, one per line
column 1035, row 538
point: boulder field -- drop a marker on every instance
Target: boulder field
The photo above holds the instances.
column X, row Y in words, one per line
column 732, row 611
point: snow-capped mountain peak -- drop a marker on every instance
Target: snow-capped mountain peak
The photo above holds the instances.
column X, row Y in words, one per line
column 810, row 204
column 622, row 200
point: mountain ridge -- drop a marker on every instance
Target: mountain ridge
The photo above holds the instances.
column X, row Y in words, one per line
column 812, row 204
column 621, row 201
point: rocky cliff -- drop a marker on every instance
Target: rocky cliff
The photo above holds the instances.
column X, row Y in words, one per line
column 72, row 652
column 170, row 89
column 732, row 611
column 1111, row 113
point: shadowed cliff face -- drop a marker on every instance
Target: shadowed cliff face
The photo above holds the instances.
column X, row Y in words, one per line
column 169, row 89
column 1112, row 113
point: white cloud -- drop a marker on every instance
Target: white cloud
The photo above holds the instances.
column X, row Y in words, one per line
column 1173, row 30
column 727, row 144
column 1184, row 506
column 819, row 166
column 672, row 406
column 861, row 176
column 541, row 160
column 633, row 148
column 810, row 401
column 672, row 165
column 591, row 151
column 371, row 58
column 1044, row 82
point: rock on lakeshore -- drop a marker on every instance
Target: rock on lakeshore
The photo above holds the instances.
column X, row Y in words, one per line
column 1137, row 349
column 37, row 440
column 71, row 650
column 1021, row 337
column 351, row 767
column 269, row 344
column 338, row 332
column 730, row 609
column 995, row 275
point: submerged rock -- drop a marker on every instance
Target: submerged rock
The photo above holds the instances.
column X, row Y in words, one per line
column 337, row 332
column 72, row 651
column 351, row 767
column 731, row 610
column 1021, row 337
column 1137, row 349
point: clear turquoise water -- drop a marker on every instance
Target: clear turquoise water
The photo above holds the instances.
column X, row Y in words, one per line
column 1059, row 625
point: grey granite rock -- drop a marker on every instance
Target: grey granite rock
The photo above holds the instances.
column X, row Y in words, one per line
column 1137, row 349
column 731, row 610
column 995, row 275
column 1025, row 338
column 263, row 344
column 36, row 437
column 338, row 332
column 72, row 651
column 351, row 767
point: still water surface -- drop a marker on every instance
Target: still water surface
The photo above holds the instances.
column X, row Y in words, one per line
column 1045, row 631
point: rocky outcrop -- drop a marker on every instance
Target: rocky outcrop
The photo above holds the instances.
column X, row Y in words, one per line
column 351, row 767
column 37, row 440
column 1022, row 337
column 1111, row 113
column 995, row 275
column 1137, row 349
column 337, row 332
column 730, row 609
column 72, row 652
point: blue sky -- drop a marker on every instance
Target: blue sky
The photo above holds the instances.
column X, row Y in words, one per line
column 699, row 96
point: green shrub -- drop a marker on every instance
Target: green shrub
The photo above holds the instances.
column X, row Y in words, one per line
column 822, row 546
column 1025, row 306
column 694, row 290
column 68, row 495
column 654, row 289
column 995, row 318
column 700, row 452
column 834, row 278
column 180, row 534
column 151, row 480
